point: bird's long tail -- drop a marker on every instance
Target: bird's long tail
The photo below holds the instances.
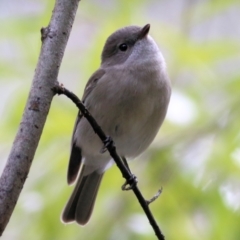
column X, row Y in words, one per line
column 80, row 205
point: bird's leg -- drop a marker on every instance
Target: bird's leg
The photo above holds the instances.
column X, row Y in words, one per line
column 126, row 164
column 132, row 181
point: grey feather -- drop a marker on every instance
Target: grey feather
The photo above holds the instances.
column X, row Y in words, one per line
column 128, row 96
column 80, row 205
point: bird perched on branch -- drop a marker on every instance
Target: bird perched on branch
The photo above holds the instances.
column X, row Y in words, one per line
column 128, row 96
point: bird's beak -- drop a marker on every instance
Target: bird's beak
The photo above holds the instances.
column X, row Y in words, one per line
column 144, row 31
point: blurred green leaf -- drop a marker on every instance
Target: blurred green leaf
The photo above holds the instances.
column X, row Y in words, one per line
column 196, row 161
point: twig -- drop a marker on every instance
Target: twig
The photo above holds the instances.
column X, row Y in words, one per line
column 109, row 144
column 156, row 196
column 54, row 39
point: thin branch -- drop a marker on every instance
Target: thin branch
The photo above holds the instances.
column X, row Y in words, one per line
column 155, row 197
column 54, row 39
column 109, row 145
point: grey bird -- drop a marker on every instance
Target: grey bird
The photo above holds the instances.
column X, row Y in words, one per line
column 128, row 96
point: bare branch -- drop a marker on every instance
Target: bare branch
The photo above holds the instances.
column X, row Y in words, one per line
column 131, row 180
column 54, row 39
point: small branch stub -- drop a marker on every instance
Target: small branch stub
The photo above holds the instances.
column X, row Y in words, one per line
column 156, row 196
column 47, row 32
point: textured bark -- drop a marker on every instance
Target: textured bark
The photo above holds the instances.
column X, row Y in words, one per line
column 54, row 39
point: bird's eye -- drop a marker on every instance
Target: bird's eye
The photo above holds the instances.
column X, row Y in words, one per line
column 123, row 47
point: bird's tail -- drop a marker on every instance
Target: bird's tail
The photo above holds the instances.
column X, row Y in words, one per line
column 80, row 205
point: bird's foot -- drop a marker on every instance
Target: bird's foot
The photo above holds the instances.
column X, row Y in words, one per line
column 130, row 183
column 107, row 142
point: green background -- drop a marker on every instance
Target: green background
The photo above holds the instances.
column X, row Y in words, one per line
column 196, row 155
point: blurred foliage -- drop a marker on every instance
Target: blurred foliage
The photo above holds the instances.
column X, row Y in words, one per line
column 196, row 155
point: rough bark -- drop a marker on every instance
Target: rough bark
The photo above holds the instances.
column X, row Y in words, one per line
column 54, row 40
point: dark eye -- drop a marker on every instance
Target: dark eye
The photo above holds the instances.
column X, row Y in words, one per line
column 123, row 47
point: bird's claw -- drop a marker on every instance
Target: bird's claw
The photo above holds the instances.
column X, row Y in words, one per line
column 130, row 183
column 107, row 142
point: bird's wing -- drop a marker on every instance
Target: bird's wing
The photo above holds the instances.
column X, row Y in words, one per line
column 76, row 155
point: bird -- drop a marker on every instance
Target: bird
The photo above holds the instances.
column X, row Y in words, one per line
column 128, row 96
